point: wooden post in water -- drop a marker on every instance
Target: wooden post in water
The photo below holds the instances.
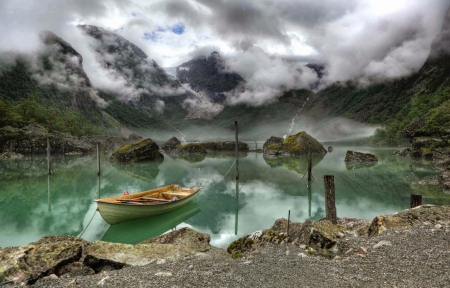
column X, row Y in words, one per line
column 416, row 200
column 289, row 219
column 98, row 158
column 49, row 172
column 256, row 146
column 330, row 205
column 309, row 198
column 237, row 177
column 309, row 162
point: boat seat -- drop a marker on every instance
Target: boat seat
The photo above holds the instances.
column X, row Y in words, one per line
column 178, row 194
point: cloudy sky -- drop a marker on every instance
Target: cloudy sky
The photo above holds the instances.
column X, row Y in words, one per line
column 266, row 41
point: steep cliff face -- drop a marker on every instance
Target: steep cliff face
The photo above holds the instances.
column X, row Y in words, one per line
column 208, row 75
column 145, row 85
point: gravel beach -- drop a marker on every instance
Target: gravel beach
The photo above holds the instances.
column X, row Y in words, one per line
column 416, row 256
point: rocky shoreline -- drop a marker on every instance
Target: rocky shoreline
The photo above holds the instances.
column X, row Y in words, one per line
column 406, row 249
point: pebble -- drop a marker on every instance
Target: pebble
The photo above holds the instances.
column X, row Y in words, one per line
column 163, row 274
column 362, row 250
column 438, row 226
column 382, row 243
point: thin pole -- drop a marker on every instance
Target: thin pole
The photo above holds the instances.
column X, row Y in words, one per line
column 98, row 158
column 289, row 219
column 237, row 177
column 330, row 204
column 309, row 198
column 309, row 162
column 48, row 157
column 48, row 194
column 236, row 148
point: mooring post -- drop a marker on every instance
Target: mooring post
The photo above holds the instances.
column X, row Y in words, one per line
column 416, row 200
column 289, row 219
column 48, row 157
column 236, row 148
column 330, row 204
column 309, row 161
column 98, row 158
column 256, row 146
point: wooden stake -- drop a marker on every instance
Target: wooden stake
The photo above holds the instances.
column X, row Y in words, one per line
column 48, row 157
column 330, row 205
column 98, row 158
column 416, row 200
column 309, row 198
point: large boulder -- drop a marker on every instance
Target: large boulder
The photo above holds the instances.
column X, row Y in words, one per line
column 354, row 157
column 109, row 144
column 179, row 244
column 299, row 144
column 171, row 144
column 144, row 150
column 49, row 255
column 321, row 237
column 410, row 217
column 191, row 149
column 271, row 146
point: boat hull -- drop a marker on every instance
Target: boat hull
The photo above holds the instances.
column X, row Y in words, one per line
column 115, row 213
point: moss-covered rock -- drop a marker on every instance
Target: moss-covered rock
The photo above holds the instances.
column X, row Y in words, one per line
column 144, row 150
column 354, row 157
column 49, row 255
column 171, row 144
column 191, row 149
column 299, row 144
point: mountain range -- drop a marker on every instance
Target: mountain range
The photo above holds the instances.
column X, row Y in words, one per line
column 133, row 93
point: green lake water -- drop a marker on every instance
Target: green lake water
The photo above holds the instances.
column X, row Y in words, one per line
column 33, row 204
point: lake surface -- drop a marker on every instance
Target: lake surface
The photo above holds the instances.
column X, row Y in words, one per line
column 33, row 204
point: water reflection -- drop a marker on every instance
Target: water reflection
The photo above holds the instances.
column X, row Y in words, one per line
column 33, row 204
column 136, row 231
column 145, row 171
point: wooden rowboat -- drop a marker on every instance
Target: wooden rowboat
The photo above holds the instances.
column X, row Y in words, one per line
column 144, row 204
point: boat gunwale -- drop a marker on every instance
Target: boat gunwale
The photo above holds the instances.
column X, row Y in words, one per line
column 144, row 193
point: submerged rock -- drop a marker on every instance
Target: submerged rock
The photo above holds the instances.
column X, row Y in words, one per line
column 330, row 149
column 358, row 157
column 225, row 146
column 171, row 144
column 299, row 144
column 10, row 155
column 144, row 150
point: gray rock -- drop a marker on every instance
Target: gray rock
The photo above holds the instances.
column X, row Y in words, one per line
column 171, row 144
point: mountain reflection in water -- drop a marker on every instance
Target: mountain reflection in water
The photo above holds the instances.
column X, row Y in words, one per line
column 33, row 205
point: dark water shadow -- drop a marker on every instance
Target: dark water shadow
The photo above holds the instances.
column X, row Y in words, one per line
column 145, row 171
column 133, row 232
column 297, row 164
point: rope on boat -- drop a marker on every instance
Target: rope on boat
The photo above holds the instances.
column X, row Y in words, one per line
column 79, row 236
column 222, row 177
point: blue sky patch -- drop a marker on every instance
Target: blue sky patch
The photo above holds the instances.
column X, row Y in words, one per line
column 178, row 28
